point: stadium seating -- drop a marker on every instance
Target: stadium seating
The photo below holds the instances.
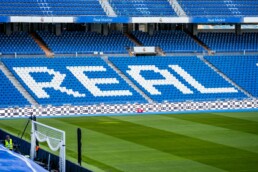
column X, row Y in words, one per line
column 90, row 80
column 230, row 42
column 9, row 95
column 86, row 42
column 243, row 70
column 127, row 8
column 169, row 41
column 219, row 8
column 51, row 8
column 148, row 8
column 76, row 81
column 19, row 43
column 186, row 70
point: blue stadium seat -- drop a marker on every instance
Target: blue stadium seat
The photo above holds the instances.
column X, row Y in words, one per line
column 219, row 8
column 243, row 70
column 86, row 42
column 230, row 42
column 192, row 68
column 148, row 8
column 79, row 81
column 19, row 43
column 9, row 95
column 61, row 86
column 51, row 8
column 169, row 41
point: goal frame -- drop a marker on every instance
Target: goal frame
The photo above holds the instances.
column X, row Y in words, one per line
column 62, row 151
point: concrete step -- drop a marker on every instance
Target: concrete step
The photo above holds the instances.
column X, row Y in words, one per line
column 160, row 51
column 107, row 8
column 177, row 8
column 198, row 41
column 42, row 45
column 133, row 39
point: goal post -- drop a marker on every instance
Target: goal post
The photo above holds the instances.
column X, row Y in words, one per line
column 55, row 139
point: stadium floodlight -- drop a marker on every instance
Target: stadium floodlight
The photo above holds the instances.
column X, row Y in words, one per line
column 55, row 139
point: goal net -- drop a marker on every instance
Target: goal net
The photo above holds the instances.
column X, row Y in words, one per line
column 55, row 139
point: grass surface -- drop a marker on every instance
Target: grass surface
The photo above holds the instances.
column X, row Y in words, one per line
column 185, row 142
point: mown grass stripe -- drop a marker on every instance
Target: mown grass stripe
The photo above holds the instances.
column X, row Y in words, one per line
column 144, row 155
column 250, row 116
column 16, row 126
column 71, row 144
column 224, row 136
column 221, row 121
column 94, row 162
column 217, row 155
column 127, row 156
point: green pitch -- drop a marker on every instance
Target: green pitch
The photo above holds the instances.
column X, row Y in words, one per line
column 189, row 142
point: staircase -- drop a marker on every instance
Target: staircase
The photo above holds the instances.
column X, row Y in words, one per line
column 133, row 39
column 107, row 8
column 160, row 51
column 138, row 43
column 177, row 8
column 224, row 76
column 232, row 7
column 127, row 80
column 42, row 45
column 45, row 8
column 204, row 46
column 17, row 85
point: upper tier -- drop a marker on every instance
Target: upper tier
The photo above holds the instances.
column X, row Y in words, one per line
column 219, row 7
column 129, row 8
column 51, row 8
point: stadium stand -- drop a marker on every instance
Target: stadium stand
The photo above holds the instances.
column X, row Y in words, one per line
column 86, row 42
column 230, row 42
column 169, row 41
column 19, row 43
column 9, row 95
column 243, row 70
column 127, row 8
column 50, row 81
column 148, row 8
column 163, row 87
column 51, row 8
column 219, row 7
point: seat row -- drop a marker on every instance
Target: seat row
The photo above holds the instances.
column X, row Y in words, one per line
column 82, row 81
